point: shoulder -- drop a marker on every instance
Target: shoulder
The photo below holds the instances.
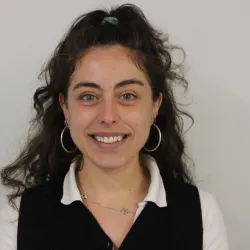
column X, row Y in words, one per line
column 214, row 230
column 42, row 193
column 32, row 200
column 210, row 208
column 8, row 226
column 208, row 201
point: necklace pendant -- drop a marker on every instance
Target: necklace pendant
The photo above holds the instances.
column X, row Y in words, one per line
column 124, row 211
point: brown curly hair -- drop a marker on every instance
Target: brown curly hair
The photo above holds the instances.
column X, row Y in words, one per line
column 43, row 158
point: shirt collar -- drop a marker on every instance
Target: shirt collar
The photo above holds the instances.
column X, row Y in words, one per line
column 156, row 192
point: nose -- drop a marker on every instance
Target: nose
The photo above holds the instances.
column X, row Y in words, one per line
column 108, row 112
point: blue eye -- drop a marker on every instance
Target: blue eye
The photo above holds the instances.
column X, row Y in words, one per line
column 129, row 96
column 87, row 97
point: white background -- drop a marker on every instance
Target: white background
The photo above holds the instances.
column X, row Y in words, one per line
column 216, row 37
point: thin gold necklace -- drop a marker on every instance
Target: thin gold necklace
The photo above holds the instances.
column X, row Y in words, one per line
column 85, row 196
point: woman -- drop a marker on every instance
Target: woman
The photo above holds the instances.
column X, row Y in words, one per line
column 105, row 167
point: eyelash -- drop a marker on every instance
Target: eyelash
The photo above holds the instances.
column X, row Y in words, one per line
column 134, row 96
column 84, row 95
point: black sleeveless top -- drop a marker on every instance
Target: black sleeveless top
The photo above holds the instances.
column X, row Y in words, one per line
column 47, row 224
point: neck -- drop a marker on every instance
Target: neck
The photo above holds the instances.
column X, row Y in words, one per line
column 128, row 183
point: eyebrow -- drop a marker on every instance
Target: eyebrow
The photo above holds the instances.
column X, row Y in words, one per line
column 118, row 85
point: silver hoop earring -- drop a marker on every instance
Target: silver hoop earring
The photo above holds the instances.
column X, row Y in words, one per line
column 159, row 142
column 65, row 149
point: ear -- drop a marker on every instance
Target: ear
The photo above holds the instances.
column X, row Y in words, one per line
column 156, row 106
column 64, row 106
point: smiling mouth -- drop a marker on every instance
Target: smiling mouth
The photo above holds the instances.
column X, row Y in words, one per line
column 109, row 139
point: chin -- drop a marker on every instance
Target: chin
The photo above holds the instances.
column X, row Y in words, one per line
column 110, row 162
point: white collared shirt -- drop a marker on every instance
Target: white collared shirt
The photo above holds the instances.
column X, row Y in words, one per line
column 214, row 234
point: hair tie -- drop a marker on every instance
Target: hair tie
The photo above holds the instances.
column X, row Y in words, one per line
column 110, row 19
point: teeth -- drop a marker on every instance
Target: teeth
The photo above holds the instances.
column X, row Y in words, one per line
column 110, row 139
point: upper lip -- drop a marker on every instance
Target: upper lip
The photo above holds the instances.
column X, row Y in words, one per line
column 107, row 134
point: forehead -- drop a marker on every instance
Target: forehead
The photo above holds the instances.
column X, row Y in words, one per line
column 107, row 65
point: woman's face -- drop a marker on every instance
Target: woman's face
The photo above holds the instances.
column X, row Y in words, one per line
column 109, row 108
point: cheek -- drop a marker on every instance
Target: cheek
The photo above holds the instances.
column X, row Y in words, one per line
column 80, row 121
column 80, row 118
column 140, row 121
